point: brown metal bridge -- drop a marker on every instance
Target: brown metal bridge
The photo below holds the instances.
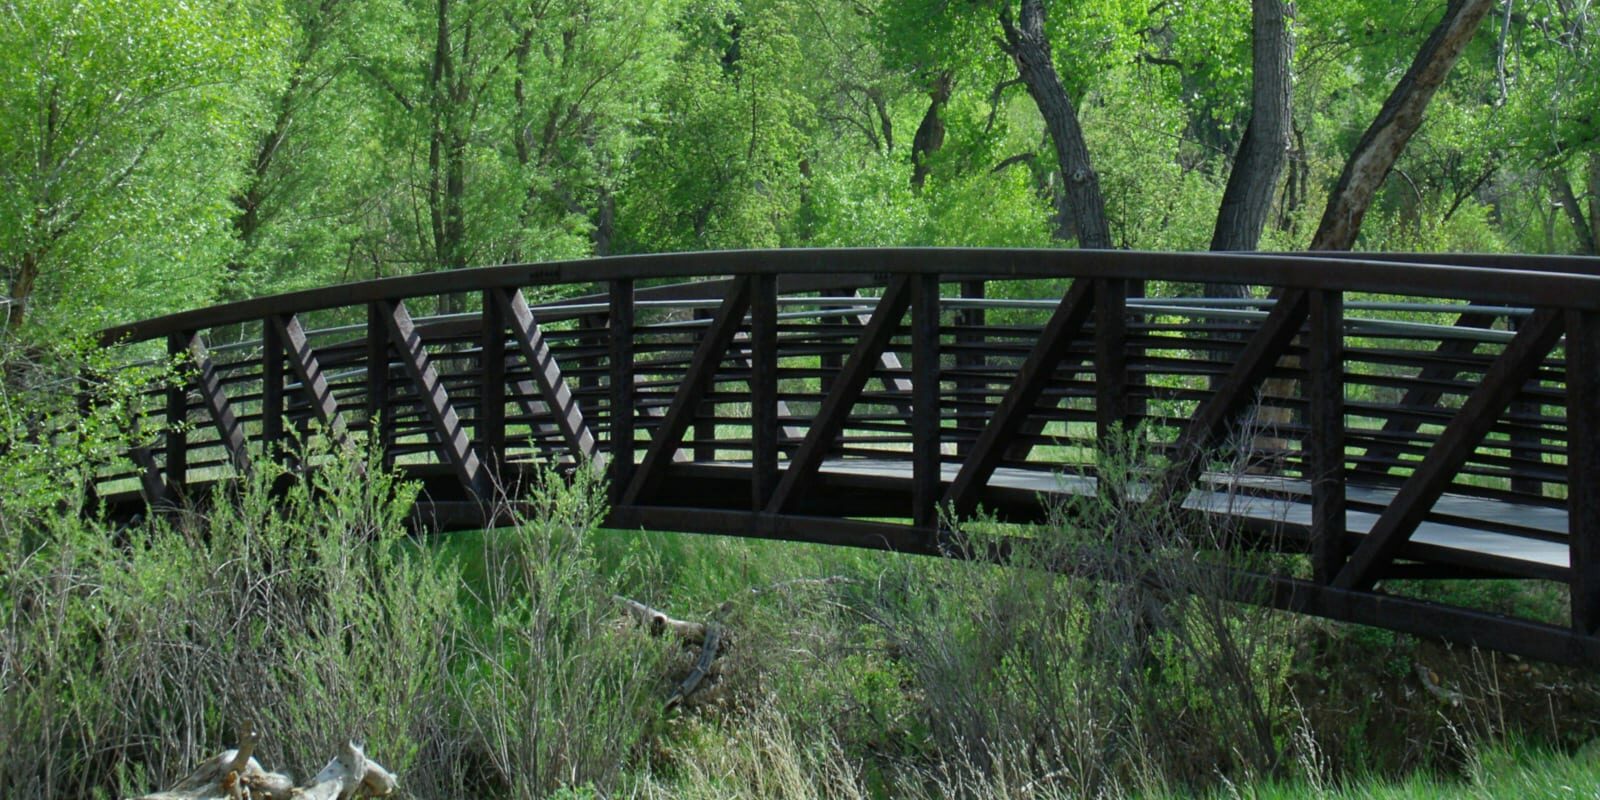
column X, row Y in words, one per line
column 1410, row 417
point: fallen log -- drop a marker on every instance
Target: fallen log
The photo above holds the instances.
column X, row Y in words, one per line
column 657, row 622
column 702, row 666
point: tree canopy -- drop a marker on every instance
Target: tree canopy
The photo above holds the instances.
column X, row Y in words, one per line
column 155, row 155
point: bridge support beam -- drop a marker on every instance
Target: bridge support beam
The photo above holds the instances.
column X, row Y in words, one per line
column 380, row 413
column 1324, row 442
column 1583, row 467
column 925, row 418
column 621, row 470
column 763, row 389
column 1112, row 406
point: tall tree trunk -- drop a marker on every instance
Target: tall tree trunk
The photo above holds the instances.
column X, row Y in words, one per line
column 1581, row 225
column 1029, row 46
column 1265, row 148
column 930, row 134
column 1594, row 199
column 21, row 290
column 1375, row 155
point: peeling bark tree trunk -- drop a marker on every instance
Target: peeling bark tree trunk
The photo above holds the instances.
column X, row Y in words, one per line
column 1265, row 148
column 930, row 134
column 1029, row 46
column 22, row 290
column 1375, row 155
column 1581, row 225
column 1594, row 201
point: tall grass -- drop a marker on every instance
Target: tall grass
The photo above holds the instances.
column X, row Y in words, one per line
column 1098, row 661
column 129, row 653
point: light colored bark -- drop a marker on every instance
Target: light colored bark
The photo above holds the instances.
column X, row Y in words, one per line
column 1029, row 46
column 236, row 775
column 1380, row 147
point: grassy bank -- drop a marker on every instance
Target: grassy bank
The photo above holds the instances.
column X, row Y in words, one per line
column 498, row 664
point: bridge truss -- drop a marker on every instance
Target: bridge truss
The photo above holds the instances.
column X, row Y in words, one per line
column 1409, row 418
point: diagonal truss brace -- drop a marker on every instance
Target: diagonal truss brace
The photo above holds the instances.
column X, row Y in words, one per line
column 831, row 417
column 697, row 382
column 552, row 387
column 1233, row 396
column 1516, row 365
column 229, row 431
column 308, row 370
column 1065, row 325
column 454, row 446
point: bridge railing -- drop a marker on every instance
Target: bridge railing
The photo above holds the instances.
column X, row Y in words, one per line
column 778, row 392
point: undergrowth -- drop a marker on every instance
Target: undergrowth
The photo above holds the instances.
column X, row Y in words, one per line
column 1098, row 660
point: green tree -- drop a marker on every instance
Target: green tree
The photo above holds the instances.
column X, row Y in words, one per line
column 123, row 127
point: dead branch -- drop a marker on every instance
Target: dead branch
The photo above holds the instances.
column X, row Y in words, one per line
column 702, row 666
column 236, row 775
column 658, row 622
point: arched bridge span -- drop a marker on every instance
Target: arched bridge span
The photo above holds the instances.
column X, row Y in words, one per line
column 1406, row 418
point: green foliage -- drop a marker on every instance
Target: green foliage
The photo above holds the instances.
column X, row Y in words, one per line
column 121, row 132
column 128, row 654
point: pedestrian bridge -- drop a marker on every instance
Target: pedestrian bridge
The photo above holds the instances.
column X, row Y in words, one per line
column 1384, row 420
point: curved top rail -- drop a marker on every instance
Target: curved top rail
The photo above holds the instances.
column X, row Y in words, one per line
column 1568, row 282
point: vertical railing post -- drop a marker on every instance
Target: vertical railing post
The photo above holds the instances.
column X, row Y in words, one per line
column 763, row 389
column 380, row 416
column 970, row 356
column 622, row 402
column 705, row 422
column 925, row 455
column 592, row 337
column 84, row 394
column 177, row 455
column 272, row 399
column 1583, row 467
column 1324, row 443
column 491, row 422
column 1111, row 404
column 1524, row 442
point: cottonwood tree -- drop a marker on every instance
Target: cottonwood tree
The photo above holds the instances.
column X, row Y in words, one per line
column 1264, row 150
column 123, row 128
column 1369, row 163
column 508, row 123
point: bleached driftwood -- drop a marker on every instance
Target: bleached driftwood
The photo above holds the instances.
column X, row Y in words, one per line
column 657, row 622
column 236, row 775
